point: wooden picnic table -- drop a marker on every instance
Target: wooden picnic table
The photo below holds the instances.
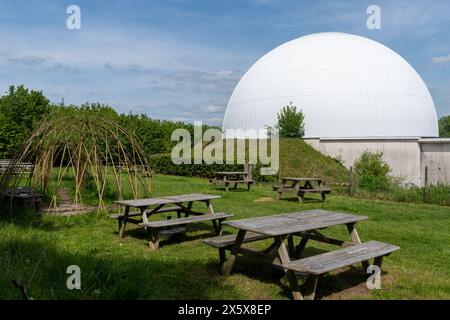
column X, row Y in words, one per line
column 304, row 224
column 160, row 206
column 179, row 204
column 23, row 195
column 281, row 227
column 228, row 177
column 292, row 185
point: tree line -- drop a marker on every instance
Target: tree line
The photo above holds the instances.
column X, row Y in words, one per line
column 21, row 109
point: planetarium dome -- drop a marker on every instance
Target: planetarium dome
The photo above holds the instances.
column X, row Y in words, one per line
column 347, row 86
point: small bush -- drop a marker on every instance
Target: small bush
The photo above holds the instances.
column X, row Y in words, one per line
column 290, row 122
column 372, row 171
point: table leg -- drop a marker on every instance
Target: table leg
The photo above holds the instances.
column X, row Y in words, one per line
column 310, row 287
column 217, row 224
column 300, row 197
column 301, row 246
column 291, row 245
column 123, row 222
column 228, row 266
column 225, row 183
column 222, row 258
column 154, row 239
column 209, row 206
column 188, row 209
column 284, row 258
column 378, row 261
column 144, row 216
column 356, row 240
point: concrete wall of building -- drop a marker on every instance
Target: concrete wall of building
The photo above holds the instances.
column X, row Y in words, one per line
column 402, row 155
column 436, row 156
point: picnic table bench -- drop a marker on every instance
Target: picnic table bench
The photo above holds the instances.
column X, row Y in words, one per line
column 229, row 177
column 19, row 167
column 24, row 196
column 181, row 204
column 301, row 190
column 306, row 226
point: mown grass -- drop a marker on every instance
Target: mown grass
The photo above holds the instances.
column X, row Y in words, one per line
column 36, row 251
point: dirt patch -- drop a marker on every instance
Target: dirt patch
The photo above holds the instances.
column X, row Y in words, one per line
column 66, row 207
column 350, row 284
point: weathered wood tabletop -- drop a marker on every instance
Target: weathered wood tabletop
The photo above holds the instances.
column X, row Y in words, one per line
column 143, row 203
column 304, row 224
column 295, row 222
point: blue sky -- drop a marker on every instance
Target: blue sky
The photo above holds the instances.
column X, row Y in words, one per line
column 180, row 60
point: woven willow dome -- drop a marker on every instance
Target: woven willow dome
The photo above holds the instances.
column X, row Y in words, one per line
column 79, row 146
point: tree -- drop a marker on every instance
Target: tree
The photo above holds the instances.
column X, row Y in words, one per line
column 373, row 172
column 20, row 110
column 290, row 122
column 444, row 127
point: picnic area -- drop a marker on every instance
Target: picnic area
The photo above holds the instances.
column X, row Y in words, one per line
column 185, row 267
column 85, row 187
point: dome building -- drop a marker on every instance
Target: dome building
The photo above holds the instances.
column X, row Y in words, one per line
column 356, row 94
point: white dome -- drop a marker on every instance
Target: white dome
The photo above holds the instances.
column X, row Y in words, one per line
column 347, row 86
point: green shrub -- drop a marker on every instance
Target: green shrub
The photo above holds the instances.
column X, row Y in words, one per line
column 372, row 171
column 163, row 164
column 290, row 122
column 444, row 127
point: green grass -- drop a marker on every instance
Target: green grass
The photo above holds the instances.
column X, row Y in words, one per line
column 35, row 251
column 298, row 159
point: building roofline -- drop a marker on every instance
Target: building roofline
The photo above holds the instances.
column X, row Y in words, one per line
column 434, row 140
column 366, row 138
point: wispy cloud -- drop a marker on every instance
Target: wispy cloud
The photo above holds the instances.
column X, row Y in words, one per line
column 442, row 59
column 215, row 109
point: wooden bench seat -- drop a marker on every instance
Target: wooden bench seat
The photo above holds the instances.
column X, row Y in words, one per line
column 320, row 264
column 156, row 229
column 228, row 240
column 226, row 183
column 314, row 190
column 181, row 221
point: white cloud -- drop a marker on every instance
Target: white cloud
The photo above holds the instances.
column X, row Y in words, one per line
column 214, row 109
column 442, row 59
column 214, row 121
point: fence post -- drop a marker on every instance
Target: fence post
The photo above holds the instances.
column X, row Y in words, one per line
column 351, row 183
column 249, row 169
column 426, row 190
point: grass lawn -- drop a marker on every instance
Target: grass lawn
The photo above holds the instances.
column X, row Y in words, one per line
column 36, row 250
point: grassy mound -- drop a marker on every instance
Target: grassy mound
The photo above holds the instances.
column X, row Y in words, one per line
column 298, row 159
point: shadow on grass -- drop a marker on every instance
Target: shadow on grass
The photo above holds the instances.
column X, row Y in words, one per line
column 336, row 283
column 305, row 200
column 201, row 230
column 25, row 217
column 40, row 267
